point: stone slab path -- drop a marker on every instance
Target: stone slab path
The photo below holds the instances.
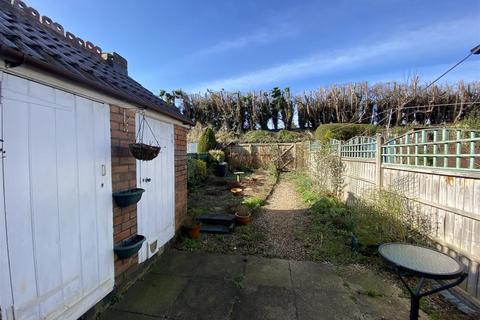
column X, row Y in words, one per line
column 186, row 285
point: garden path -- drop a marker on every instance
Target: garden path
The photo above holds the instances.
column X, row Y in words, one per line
column 284, row 218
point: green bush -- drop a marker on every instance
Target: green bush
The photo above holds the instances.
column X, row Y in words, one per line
column 472, row 121
column 343, row 131
column 217, row 155
column 258, row 136
column 207, row 141
column 253, row 203
column 196, row 171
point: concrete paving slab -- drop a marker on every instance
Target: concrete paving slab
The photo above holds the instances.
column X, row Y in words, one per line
column 220, row 266
column 267, row 272
column 153, row 295
column 312, row 275
column 111, row 314
column 314, row 304
column 265, row 303
column 180, row 263
column 364, row 280
column 205, row 299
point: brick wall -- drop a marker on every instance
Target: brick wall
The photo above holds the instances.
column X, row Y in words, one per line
column 123, row 177
column 180, row 175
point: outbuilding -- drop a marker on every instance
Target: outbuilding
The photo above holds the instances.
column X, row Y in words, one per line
column 68, row 115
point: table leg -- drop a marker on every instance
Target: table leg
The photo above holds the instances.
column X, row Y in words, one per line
column 414, row 307
column 415, row 296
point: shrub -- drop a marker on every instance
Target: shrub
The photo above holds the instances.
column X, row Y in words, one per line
column 343, row 131
column 217, row 155
column 253, row 203
column 196, row 171
column 287, row 136
column 258, row 136
column 207, row 141
column 264, row 136
column 471, row 122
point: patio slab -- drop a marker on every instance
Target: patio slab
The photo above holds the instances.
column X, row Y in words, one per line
column 265, row 303
column 184, row 285
column 153, row 295
column 205, row 299
column 268, row 272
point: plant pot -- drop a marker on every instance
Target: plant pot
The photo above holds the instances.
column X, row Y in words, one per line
column 128, row 197
column 236, row 191
column 129, row 247
column 193, row 230
column 142, row 151
column 204, row 156
column 243, row 220
column 222, row 169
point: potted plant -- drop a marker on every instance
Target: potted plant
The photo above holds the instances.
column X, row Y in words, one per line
column 143, row 151
column 128, row 197
column 191, row 226
column 243, row 216
column 129, row 247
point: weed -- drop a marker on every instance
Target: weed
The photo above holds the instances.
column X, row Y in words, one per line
column 238, row 281
column 253, row 203
column 190, row 244
column 116, row 298
column 371, row 293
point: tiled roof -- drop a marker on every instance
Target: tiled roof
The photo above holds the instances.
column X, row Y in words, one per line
column 40, row 39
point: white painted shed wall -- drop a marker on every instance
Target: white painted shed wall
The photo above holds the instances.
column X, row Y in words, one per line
column 57, row 207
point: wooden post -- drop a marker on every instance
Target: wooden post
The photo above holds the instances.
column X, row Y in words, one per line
column 378, row 162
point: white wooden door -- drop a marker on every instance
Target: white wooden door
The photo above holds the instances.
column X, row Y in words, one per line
column 57, row 200
column 156, row 210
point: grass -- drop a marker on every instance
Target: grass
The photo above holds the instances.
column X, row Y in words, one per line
column 329, row 236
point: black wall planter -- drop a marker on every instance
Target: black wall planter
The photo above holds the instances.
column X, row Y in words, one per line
column 128, row 197
column 129, row 247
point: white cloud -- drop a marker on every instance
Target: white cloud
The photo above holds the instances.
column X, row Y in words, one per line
column 260, row 36
column 412, row 43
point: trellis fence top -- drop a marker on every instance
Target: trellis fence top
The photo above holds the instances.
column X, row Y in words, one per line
column 445, row 148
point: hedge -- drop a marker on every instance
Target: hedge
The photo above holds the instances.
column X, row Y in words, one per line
column 343, row 131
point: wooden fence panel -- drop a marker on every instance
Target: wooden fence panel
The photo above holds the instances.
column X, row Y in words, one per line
column 438, row 173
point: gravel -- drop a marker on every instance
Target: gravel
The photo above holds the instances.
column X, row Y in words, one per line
column 283, row 218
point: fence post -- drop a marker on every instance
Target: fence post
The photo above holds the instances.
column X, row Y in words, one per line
column 378, row 161
column 339, row 148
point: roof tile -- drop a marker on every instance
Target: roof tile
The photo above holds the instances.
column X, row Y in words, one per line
column 21, row 30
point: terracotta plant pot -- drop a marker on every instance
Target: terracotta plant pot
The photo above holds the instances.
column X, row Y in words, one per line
column 193, row 230
column 236, row 191
column 243, row 219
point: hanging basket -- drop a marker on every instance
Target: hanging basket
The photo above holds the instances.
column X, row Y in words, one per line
column 142, row 151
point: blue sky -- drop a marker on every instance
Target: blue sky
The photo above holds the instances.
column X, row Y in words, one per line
column 245, row 45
